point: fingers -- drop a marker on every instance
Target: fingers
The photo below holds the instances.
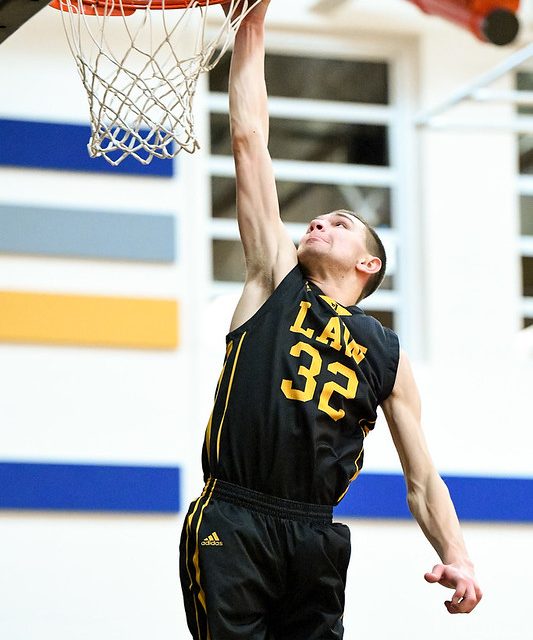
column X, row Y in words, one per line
column 436, row 574
column 466, row 597
column 455, row 605
column 467, row 593
column 439, row 574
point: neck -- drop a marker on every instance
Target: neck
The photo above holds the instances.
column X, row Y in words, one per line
column 344, row 289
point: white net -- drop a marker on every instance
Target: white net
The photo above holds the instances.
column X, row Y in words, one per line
column 140, row 69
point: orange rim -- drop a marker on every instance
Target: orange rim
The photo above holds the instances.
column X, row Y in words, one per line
column 125, row 7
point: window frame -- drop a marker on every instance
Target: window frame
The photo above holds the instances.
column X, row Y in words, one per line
column 405, row 300
column 525, row 244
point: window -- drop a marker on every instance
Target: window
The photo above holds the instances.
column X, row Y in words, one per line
column 333, row 126
column 525, row 150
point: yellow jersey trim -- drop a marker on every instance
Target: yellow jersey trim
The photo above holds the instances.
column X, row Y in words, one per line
column 338, row 308
column 229, row 393
column 229, row 349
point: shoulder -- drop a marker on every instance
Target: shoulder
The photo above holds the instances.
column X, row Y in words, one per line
column 388, row 354
column 388, row 338
column 258, row 299
column 404, row 383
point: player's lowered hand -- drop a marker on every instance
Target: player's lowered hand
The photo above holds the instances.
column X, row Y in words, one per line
column 467, row 593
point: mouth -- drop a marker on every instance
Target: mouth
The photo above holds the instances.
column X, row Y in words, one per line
column 315, row 238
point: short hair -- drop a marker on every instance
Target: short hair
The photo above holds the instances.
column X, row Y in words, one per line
column 376, row 248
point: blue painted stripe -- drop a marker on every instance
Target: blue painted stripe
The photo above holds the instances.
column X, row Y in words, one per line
column 47, row 145
column 375, row 495
column 84, row 487
column 476, row 498
column 87, row 234
column 75, row 487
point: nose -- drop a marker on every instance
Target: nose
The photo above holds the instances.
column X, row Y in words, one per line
column 316, row 224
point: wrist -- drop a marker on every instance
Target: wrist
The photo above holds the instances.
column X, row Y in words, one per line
column 460, row 562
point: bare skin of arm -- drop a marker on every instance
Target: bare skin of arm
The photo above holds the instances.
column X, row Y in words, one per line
column 269, row 252
column 428, row 496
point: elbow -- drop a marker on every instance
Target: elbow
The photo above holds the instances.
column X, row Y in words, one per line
column 424, row 493
column 247, row 133
column 245, row 138
column 415, row 498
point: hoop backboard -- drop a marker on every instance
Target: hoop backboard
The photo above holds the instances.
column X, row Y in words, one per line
column 14, row 13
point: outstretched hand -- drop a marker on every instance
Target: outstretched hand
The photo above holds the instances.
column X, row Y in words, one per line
column 454, row 576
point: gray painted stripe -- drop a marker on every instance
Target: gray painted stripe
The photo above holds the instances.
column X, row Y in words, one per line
column 87, row 234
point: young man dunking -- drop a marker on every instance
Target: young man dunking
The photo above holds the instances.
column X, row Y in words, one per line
column 304, row 374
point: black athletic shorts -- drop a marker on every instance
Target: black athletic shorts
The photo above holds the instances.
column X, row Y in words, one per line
column 256, row 567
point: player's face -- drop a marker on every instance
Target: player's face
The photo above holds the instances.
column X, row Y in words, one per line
column 337, row 236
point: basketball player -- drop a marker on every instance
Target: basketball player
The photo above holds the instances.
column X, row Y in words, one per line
column 304, row 373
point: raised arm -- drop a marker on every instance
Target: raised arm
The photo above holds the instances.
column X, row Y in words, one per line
column 268, row 249
column 428, row 496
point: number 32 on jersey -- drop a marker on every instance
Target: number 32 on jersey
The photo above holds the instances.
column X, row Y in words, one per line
column 304, row 389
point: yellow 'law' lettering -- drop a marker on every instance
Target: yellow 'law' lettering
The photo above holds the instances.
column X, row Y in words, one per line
column 297, row 327
column 335, row 334
column 332, row 334
column 332, row 331
column 354, row 350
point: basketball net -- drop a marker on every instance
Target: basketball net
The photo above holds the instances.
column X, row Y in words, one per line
column 140, row 68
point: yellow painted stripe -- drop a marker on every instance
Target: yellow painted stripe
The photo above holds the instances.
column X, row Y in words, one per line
column 138, row 323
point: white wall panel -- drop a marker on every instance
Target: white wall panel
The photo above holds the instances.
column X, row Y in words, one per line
column 73, row 576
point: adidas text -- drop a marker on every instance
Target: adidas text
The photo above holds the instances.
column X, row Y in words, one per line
column 212, row 541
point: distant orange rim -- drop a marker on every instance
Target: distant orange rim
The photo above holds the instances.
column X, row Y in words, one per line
column 126, row 7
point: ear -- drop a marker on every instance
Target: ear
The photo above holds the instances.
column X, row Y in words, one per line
column 369, row 265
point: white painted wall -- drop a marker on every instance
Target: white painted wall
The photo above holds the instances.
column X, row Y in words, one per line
column 80, row 576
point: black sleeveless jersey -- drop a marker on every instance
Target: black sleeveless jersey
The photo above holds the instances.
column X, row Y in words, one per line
column 297, row 395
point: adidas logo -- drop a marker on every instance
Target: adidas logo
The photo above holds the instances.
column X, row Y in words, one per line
column 212, row 541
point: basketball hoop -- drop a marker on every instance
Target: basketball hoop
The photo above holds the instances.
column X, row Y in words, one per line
column 139, row 62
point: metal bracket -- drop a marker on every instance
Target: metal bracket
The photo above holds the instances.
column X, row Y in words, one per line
column 477, row 89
